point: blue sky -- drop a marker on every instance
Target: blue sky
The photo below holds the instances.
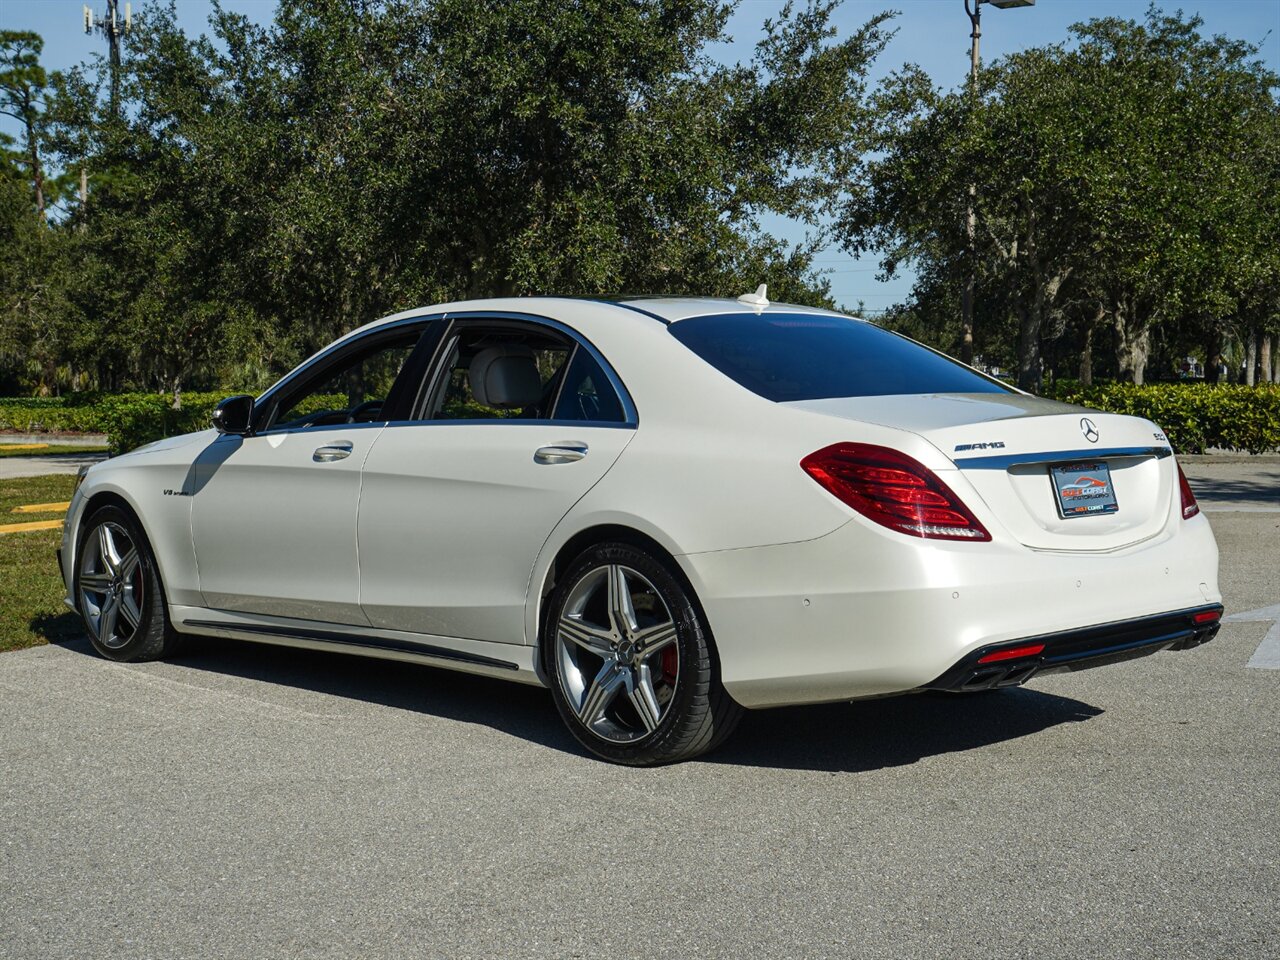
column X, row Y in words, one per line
column 931, row 33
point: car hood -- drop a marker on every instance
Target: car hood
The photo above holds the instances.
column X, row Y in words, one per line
column 171, row 443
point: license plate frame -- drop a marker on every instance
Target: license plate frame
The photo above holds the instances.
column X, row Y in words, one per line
column 1083, row 488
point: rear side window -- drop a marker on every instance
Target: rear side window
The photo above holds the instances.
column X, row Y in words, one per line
column 587, row 394
column 796, row 356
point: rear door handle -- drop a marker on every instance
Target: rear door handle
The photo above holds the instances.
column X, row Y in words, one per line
column 566, row 451
column 338, row 450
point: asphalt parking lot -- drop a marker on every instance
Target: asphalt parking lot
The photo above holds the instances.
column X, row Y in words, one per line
column 247, row 801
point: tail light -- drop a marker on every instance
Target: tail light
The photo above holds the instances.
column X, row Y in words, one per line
column 894, row 490
column 1189, row 506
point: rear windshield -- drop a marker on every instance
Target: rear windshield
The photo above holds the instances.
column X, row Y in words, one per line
column 797, row 356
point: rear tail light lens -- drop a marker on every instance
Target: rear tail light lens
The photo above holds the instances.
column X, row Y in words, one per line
column 893, row 490
column 1207, row 616
column 1189, row 506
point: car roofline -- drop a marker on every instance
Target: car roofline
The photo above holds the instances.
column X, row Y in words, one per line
column 662, row 309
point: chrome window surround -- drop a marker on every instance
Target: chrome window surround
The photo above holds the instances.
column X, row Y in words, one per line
column 631, row 417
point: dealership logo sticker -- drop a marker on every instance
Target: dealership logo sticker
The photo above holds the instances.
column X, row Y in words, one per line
column 1085, row 488
column 1090, row 429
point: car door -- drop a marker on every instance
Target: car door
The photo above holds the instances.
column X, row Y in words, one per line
column 456, row 505
column 273, row 515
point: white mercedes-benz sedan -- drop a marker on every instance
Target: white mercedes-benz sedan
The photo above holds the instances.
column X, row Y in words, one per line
column 664, row 510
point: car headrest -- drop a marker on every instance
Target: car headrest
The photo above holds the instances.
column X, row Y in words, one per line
column 506, row 377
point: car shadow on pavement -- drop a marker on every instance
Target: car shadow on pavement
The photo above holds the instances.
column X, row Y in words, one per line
column 895, row 731
column 517, row 709
column 840, row 737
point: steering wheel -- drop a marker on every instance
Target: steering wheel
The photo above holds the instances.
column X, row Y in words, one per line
column 353, row 415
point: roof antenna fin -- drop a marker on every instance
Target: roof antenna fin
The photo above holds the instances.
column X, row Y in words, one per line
column 758, row 299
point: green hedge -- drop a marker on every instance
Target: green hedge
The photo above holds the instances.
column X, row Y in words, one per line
column 128, row 419
column 1194, row 416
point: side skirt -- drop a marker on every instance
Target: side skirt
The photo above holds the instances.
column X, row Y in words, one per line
column 506, row 661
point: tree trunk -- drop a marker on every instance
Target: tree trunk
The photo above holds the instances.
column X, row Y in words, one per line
column 1030, row 311
column 1213, row 356
column 37, row 175
column 1086, row 354
column 1250, row 357
column 1030, row 364
column 1132, row 344
column 84, row 198
column 1264, row 358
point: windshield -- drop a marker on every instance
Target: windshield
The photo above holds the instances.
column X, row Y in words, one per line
column 797, row 356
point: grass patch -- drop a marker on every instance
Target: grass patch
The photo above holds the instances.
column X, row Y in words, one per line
column 51, row 449
column 31, row 608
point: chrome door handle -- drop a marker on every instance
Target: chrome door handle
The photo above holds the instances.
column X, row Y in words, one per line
column 565, row 451
column 338, row 450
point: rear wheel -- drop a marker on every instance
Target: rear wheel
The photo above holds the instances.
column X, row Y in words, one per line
column 118, row 592
column 630, row 660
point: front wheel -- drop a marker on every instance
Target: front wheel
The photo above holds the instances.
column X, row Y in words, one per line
column 118, row 591
column 630, row 660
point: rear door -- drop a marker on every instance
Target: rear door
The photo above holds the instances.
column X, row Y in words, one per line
column 456, row 504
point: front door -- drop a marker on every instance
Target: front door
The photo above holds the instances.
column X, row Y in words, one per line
column 273, row 516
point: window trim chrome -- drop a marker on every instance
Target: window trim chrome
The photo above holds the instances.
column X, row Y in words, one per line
column 631, row 416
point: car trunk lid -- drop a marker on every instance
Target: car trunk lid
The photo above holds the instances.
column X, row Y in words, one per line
column 1007, row 446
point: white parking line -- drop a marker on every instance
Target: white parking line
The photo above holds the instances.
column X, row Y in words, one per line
column 1267, row 656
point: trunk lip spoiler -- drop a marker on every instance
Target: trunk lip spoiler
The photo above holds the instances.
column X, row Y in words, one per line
column 1004, row 461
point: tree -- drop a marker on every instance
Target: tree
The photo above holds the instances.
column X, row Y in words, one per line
column 1125, row 182
column 266, row 188
column 22, row 87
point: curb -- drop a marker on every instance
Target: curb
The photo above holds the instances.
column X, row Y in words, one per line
column 66, row 439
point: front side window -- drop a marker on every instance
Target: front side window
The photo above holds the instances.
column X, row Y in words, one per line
column 357, row 389
column 794, row 356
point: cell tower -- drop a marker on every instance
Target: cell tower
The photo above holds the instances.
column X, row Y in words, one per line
column 113, row 27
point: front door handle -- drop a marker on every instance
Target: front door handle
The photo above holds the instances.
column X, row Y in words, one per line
column 566, row 451
column 338, row 450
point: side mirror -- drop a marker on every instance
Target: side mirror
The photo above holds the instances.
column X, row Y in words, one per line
column 234, row 415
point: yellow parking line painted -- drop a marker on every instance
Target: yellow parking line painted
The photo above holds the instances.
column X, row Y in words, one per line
column 30, row 525
column 43, row 508
column 24, row 446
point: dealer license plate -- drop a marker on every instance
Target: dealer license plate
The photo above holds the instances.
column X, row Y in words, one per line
column 1083, row 489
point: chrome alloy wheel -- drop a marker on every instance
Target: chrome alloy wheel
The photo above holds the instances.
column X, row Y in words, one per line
column 111, row 584
column 617, row 656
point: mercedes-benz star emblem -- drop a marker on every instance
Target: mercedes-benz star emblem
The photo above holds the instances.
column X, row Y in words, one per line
column 1090, row 429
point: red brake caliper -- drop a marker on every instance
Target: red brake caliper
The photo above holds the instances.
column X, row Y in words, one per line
column 670, row 663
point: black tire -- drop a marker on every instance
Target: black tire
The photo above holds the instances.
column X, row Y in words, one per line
column 139, row 591
column 697, row 714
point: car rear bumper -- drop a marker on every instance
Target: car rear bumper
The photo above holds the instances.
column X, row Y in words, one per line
column 858, row 614
column 1015, row 662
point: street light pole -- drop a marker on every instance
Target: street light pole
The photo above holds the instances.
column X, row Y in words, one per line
column 970, row 217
